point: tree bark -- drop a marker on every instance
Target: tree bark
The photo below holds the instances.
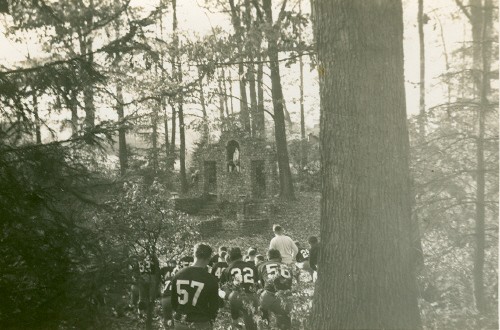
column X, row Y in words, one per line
column 86, row 47
column 366, row 278
column 224, row 88
column 285, row 175
column 260, row 96
column 38, row 135
column 176, row 79
column 231, row 92
column 303, row 141
column 165, row 129
column 420, row 19
column 154, row 135
column 484, row 44
column 480, row 17
column 244, row 113
column 251, row 48
column 205, row 129
column 73, row 104
column 122, row 141
column 222, row 96
column 182, row 137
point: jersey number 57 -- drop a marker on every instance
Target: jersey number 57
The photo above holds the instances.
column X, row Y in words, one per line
column 183, row 294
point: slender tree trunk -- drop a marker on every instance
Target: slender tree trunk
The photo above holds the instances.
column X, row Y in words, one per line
column 38, row 135
column 176, row 79
column 122, row 140
column 422, row 116
column 244, row 112
column 446, row 61
column 260, row 97
column 182, row 151
column 303, row 141
column 244, row 115
column 86, row 47
column 484, row 89
column 73, row 104
column 366, row 278
column 206, row 134
column 250, row 49
column 154, row 135
column 165, row 129
column 285, row 175
column 231, row 92
column 253, row 99
column 222, row 108
column 173, row 126
column 182, row 137
column 224, row 89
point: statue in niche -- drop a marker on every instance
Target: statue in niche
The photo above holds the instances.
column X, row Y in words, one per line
column 233, row 156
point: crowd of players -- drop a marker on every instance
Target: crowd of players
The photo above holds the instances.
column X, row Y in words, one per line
column 195, row 288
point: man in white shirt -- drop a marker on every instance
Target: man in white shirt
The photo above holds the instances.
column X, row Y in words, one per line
column 284, row 244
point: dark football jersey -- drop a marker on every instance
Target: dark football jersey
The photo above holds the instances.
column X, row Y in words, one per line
column 167, row 288
column 186, row 261
column 166, row 273
column 149, row 266
column 302, row 255
column 195, row 296
column 275, row 276
column 242, row 274
column 218, row 269
column 213, row 260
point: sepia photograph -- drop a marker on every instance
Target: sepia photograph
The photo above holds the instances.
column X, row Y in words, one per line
column 249, row 164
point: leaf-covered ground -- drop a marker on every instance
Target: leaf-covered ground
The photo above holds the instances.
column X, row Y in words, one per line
column 301, row 220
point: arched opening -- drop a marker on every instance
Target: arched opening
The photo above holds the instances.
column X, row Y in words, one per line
column 233, row 156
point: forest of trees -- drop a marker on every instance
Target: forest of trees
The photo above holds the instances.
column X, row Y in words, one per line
column 104, row 111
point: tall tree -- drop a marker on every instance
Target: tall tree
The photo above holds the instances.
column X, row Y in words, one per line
column 303, row 142
column 239, row 31
column 175, row 77
column 285, row 175
column 421, row 21
column 480, row 15
column 365, row 278
column 182, row 133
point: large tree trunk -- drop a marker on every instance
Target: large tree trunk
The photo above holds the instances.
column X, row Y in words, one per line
column 365, row 278
column 285, row 175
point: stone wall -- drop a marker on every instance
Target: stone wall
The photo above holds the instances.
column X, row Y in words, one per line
column 237, row 185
